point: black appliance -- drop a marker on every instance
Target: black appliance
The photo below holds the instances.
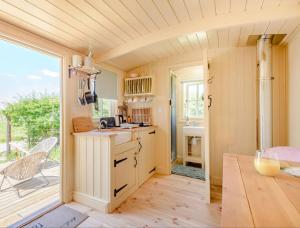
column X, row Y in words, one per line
column 108, row 122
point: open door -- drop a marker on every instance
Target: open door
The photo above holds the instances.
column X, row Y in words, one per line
column 207, row 104
column 173, row 118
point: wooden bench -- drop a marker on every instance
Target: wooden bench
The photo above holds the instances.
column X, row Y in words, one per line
column 253, row 200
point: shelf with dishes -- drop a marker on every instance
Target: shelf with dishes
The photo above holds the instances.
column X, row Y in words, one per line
column 139, row 86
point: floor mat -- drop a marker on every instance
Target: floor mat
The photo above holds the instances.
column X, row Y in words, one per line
column 189, row 171
column 62, row 216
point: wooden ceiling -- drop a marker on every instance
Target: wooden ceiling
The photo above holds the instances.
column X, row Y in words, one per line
column 221, row 38
column 128, row 33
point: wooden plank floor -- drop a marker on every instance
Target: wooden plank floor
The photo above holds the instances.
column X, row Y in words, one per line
column 34, row 197
column 163, row 201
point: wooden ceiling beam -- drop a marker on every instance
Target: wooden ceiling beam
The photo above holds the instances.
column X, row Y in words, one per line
column 205, row 24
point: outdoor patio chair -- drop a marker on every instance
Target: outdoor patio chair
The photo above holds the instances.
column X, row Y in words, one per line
column 46, row 145
column 23, row 170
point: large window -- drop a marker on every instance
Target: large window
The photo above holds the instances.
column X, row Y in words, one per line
column 193, row 100
column 107, row 108
column 107, row 91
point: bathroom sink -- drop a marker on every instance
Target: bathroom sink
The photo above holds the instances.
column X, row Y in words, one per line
column 193, row 130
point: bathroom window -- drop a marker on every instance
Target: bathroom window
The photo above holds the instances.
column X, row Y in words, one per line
column 193, row 100
column 107, row 108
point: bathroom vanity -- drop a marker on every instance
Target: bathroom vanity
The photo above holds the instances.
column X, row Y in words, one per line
column 194, row 133
column 111, row 164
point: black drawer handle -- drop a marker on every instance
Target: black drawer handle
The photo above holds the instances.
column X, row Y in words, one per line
column 120, row 189
column 152, row 132
column 152, row 170
column 119, row 161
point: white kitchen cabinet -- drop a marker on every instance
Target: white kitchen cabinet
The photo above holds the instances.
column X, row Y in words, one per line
column 124, row 172
column 146, row 155
column 107, row 169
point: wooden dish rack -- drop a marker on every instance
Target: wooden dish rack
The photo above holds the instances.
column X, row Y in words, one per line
column 139, row 86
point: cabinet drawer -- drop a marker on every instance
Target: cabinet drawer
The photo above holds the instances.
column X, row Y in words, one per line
column 118, row 149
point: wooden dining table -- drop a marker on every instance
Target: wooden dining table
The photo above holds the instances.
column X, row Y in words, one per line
column 252, row 200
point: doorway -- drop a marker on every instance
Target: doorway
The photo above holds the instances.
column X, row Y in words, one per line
column 187, row 121
column 30, row 152
column 173, row 118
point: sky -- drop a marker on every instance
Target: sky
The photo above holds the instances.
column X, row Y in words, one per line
column 24, row 71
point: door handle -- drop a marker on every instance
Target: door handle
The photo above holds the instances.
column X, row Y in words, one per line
column 119, row 189
column 135, row 160
column 152, row 132
column 152, row 170
column 210, row 101
column 140, row 148
column 116, row 162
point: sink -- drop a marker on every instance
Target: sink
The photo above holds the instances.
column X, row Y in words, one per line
column 193, row 130
column 122, row 137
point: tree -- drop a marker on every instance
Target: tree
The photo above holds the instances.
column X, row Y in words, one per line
column 38, row 115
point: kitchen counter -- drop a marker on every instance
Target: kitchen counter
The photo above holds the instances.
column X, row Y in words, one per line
column 113, row 131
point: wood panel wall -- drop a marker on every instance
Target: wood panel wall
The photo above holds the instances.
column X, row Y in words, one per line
column 233, row 111
column 234, row 116
column 294, row 90
column 92, row 179
column 279, row 61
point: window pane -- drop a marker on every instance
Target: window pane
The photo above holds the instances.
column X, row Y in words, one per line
column 195, row 109
column 192, row 108
column 106, row 108
column 192, row 92
column 193, row 99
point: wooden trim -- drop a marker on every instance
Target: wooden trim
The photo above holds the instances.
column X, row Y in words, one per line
column 214, row 180
column 163, row 171
column 206, row 124
column 28, row 39
column 91, row 201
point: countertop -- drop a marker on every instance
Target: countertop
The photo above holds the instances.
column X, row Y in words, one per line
column 252, row 200
column 112, row 131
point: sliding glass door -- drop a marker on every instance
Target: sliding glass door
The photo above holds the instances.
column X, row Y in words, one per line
column 29, row 131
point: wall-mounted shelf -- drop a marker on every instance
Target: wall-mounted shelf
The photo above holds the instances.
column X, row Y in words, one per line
column 139, row 86
column 83, row 71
